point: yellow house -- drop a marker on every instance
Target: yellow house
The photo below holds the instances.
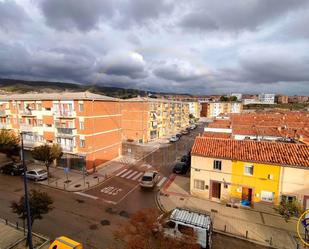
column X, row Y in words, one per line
column 247, row 171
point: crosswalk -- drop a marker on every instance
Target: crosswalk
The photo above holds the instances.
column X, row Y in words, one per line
column 136, row 175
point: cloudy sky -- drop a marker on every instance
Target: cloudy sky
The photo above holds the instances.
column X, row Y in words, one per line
column 194, row 46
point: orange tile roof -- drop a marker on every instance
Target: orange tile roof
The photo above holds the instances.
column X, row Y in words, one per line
column 285, row 154
column 217, row 134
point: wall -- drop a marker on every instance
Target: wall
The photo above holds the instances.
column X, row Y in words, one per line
column 202, row 169
column 258, row 181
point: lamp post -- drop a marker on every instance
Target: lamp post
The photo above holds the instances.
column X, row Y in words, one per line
column 27, row 205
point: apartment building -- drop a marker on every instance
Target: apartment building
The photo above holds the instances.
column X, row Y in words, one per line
column 267, row 98
column 195, row 109
column 214, row 109
column 87, row 126
column 282, row 99
column 145, row 119
column 235, row 171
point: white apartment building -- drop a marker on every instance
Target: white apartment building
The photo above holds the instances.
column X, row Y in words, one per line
column 267, row 98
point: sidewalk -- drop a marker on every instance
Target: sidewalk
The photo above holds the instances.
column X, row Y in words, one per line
column 14, row 238
column 267, row 229
column 74, row 180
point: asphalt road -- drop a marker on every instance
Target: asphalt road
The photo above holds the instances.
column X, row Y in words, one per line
column 84, row 217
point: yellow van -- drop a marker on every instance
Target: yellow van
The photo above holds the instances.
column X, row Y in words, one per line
column 65, row 243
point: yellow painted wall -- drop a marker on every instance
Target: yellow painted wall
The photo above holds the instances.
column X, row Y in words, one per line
column 258, row 181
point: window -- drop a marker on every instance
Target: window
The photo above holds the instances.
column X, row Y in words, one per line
column 199, row 184
column 226, row 186
column 81, row 107
column 288, row 198
column 82, row 143
column 81, row 125
column 267, row 196
column 217, row 164
column 169, row 224
column 39, row 122
column 248, row 170
column 39, row 106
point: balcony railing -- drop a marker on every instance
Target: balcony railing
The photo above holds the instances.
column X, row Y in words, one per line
column 64, row 113
column 65, row 131
column 3, row 113
column 3, row 126
column 27, row 112
column 67, row 148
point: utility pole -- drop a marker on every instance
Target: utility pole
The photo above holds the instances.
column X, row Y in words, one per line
column 27, row 205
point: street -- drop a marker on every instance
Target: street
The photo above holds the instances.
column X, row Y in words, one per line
column 91, row 216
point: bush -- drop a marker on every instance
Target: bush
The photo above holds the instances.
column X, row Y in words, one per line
column 289, row 209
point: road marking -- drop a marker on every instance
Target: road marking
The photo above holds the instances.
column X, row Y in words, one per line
column 125, row 174
column 86, row 195
column 121, row 172
column 137, row 176
column 162, row 181
column 134, row 173
column 128, row 193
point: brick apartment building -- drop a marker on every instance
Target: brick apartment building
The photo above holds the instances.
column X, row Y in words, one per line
column 214, row 109
column 145, row 119
column 86, row 125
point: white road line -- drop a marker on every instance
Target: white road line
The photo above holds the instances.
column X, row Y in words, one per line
column 125, row 174
column 128, row 193
column 134, row 173
column 137, row 176
column 86, row 195
column 121, row 172
column 162, row 181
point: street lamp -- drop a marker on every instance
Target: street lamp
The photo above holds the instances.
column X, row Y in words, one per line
column 27, row 205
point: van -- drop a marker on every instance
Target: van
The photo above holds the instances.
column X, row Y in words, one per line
column 181, row 222
column 65, row 243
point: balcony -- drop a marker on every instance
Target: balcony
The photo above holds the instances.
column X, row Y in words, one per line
column 26, row 128
column 67, row 148
column 4, row 113
column 5, row 126
column 27, row 112
column 65, row 132
column 65, row 114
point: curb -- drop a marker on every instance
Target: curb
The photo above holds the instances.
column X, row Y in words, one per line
column 158, row 202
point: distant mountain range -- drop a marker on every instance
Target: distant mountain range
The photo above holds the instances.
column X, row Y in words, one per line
column 23, row 86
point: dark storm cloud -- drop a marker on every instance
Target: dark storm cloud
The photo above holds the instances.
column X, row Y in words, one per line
column 76, row 14
column 237, row 15
column 140, row 11
column 12, row 16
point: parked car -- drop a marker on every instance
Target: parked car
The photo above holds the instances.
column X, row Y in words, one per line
column 149, row 179
column 178, row 135
column 181, row 168
column 192, row 127
column 183, row 223
column 37, row 174
column 174, row 138
column 186, row 159
column 184, row 132
column 12, row 168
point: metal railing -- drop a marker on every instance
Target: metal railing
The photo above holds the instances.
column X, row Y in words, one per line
column 65, row 131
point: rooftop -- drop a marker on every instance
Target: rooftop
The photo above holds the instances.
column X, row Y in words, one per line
column 285, row 154
column 57, row 96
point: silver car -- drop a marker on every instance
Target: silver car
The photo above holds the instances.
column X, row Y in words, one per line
column 149, row 179
column 37, row 174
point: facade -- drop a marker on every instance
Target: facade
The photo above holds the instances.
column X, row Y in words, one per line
column 298, row 99
column 146, row 119
column 87, row 126
column 282, row 99
column 234, row 171
column 267, row 98
column 214, row 109
column 195, row 109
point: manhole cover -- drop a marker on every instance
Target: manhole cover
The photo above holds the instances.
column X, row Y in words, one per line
column 182, row 199
column 67, row 181
column 95, row 177
column 77, row 185
column 105, row 222
column 93, row 227
column 124, row 214
column 110, row 210
column 80, row 201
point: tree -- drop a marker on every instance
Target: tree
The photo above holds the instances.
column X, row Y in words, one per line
column 9, row 143
column 289, row 209
column 233, row 98
column 40, row 204
column 47, row 154
column 224, row 98
column 143, row 232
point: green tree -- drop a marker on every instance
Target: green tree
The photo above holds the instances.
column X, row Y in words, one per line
column 9, row 143
column 40, row 204
column 233, row 98
column 47, row 154
column 224, row 98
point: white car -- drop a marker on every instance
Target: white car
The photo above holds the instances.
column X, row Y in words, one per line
column 37, row 174
column 174, row 139
column 192, row 127
column 149, row 179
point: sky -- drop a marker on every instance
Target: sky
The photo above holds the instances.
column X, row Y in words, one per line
column 182, row 46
